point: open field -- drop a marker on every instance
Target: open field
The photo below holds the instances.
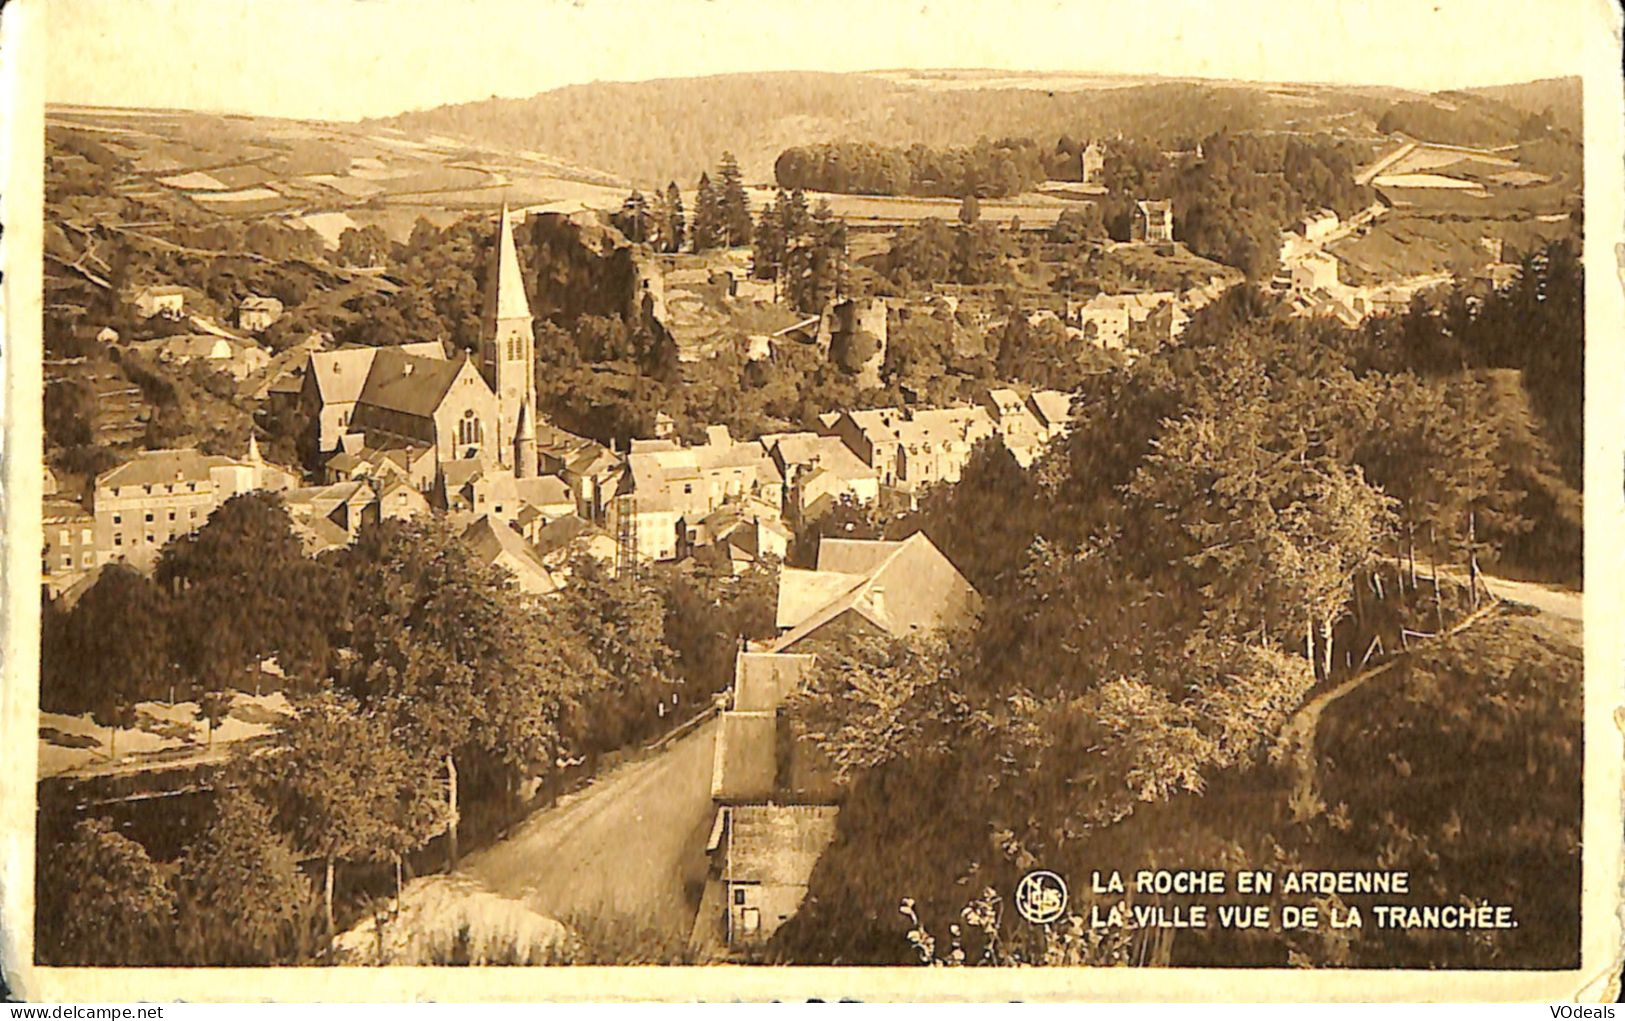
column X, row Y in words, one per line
column 886, row 211
column 323, row 174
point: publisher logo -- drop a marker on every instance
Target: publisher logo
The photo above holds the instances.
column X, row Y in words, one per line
column 1041, row 897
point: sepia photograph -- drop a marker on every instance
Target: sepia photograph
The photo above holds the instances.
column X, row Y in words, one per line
column 1049, row 495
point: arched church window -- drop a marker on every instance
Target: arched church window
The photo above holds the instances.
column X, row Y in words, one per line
column 469, row 430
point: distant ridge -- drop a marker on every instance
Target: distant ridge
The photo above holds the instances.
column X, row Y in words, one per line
column 655, row 131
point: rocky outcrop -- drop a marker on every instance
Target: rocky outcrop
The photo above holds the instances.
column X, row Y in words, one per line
column 578, row 264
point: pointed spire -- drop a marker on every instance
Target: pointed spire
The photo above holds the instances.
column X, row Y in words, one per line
column 524, row 445
column 506, row 289
column 253, row 448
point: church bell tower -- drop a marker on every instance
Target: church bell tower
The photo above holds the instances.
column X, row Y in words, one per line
column 507, row 345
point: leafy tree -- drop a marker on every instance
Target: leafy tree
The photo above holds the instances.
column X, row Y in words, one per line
column 440, row 643
column 241, row 898
column 243, row 590
column 874, row 700
column 365, row 246
column 70, row 413
column 102, row 901
column 109, row 652
column 348, row 789
column 621, row 620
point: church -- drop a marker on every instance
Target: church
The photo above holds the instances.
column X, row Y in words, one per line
column 414, row 398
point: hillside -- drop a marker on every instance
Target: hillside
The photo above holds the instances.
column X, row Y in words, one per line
column 659, row 130
column 1560, row 96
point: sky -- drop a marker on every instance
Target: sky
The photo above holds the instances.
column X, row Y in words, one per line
column 345, row 59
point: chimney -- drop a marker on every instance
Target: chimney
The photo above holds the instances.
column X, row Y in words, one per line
column 406, row 369
column 877, row 599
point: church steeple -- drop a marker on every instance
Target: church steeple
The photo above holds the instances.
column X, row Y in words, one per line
column 507, row 345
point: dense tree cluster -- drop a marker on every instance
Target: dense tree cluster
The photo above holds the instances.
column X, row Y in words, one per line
column 1231, row 204
column 1230, row 522
column 932, row 252
column 423, row 687
column 721, row 208
column 805, row 252
column 988, row 169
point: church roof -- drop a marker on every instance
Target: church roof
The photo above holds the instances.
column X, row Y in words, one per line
column 341, row 373
column 506, row 299
column 410, row 384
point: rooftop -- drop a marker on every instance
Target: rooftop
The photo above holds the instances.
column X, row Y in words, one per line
column 745, row 765
column 902, row 587
column 409, row 384
column 763, row 680
column 777, row 845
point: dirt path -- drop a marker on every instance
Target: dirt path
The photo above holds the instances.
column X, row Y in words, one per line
column 1296, row 745
column 624, row 852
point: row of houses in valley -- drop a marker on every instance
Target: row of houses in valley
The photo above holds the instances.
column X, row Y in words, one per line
column 412, row 429
column 743, row 497
column 776, row 794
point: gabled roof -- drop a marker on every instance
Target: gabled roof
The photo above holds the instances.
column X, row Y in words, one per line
column 777, row 845
column 763, row 680
column 560, row 532
column 903, row 588
column 340, row 374
column 544, row 491
column 829, row 453
column 322, row 501
column 803, row 593
column 163, row 467
column 397, row 490
column 461, row 472
column 855, row 556
column 344, row 461
column 318, row 534
column 592, row 461
column 1054, row 407
column 409, row 384
column 494, row 541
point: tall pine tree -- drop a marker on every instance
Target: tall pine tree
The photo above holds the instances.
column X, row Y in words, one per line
column 707, row 230
column 735, row 206
column 674, row 210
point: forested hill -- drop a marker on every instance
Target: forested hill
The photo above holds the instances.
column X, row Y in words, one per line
column 1557, row 98
column 674, row 128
